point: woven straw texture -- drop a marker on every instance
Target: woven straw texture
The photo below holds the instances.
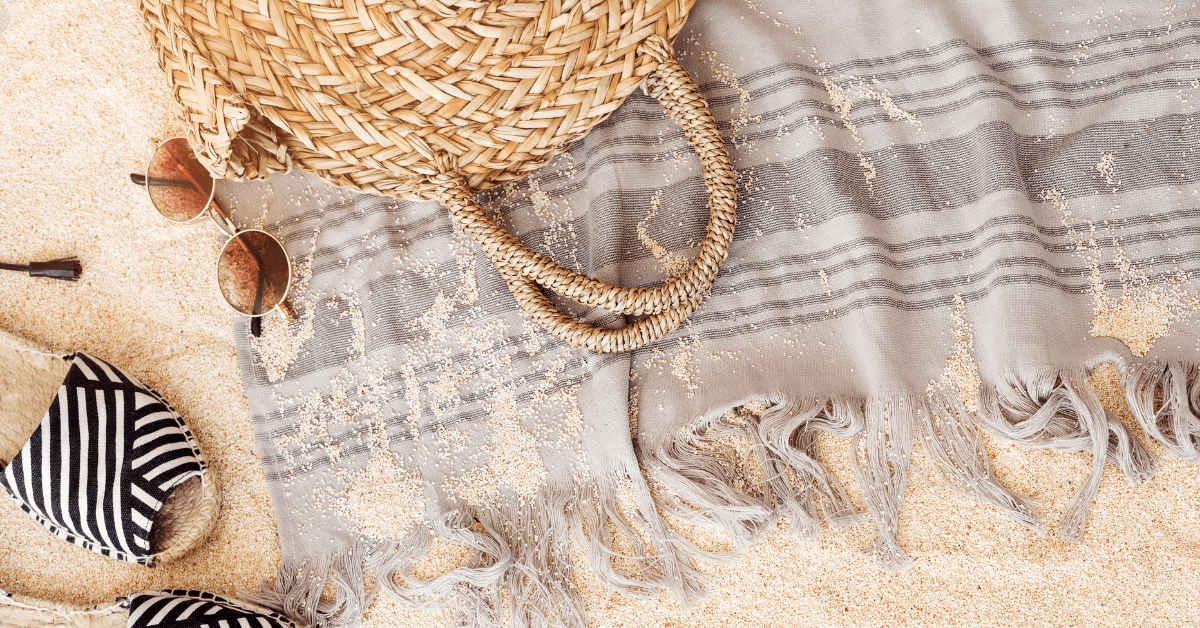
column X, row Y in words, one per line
column 378, row 96
column 422, row 99
column 29, row 379
column 26, row 612
column 185, row 520
column 666, row 305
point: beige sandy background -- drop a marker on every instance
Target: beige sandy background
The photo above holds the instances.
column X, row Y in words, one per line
column 82, row 103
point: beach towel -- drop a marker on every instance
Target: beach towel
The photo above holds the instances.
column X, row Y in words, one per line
column 950, row 214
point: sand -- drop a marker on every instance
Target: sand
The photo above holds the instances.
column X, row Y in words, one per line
column 84, row 102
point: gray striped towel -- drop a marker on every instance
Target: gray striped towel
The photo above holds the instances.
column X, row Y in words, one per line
column 950, row 213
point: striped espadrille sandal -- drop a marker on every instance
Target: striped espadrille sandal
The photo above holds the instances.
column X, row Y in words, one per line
column 156, row 609
column 99, row 459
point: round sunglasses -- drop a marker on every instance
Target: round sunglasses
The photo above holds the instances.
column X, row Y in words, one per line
column 254, row 271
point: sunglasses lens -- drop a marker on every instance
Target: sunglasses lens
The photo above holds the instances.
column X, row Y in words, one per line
column 178, row 185
column 253, row 272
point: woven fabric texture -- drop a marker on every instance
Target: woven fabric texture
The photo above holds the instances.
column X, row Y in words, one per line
column 949, row 213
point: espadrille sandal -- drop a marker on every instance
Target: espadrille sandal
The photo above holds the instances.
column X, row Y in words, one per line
column 160, row 609
column 99, row 459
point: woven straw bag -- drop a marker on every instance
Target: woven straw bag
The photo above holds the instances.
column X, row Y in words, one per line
column 437, row 99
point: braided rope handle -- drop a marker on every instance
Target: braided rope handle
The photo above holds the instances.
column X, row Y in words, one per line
column 668, row 304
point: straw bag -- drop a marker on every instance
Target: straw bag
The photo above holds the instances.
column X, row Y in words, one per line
column 437, row 99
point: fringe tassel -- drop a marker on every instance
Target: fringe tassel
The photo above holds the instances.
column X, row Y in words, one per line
column 526, row 548
column 701, row 484
column 472, row 588
column 663, row 565
column 297, row 590
column 1165, row 399
column 1043, row 410
column 787, row 435
column 539, row 576
column 881, row 453
column 1060, row 411
column 952, row 444
column 522, row 545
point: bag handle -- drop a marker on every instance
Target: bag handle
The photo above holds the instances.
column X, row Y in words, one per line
column 668, row 304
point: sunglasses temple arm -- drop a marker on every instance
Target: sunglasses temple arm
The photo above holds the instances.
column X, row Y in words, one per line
column 224, row 223
column 287, row 310
column 258, row 293
column 222, row 220
column 67, row 268
column 283, row 306
column 143, row 180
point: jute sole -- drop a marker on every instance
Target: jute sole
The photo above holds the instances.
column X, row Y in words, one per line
column 29, row 378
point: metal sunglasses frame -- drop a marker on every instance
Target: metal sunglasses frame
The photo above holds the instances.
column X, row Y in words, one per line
column 223, row 223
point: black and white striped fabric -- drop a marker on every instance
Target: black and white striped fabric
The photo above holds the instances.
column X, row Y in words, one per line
column 196, row 609
column 104, row 459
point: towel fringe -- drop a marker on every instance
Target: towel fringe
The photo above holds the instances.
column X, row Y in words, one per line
column 882, row 453
column 700, row 483
column 662, row 558
column 1058, row 410
column 297, row 591
column 1165, row 399
column 950, row 440
column 1055, row 410
column 787, row 432
column 522, row 544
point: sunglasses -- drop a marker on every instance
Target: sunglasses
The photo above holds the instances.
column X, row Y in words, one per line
column 254, row 271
